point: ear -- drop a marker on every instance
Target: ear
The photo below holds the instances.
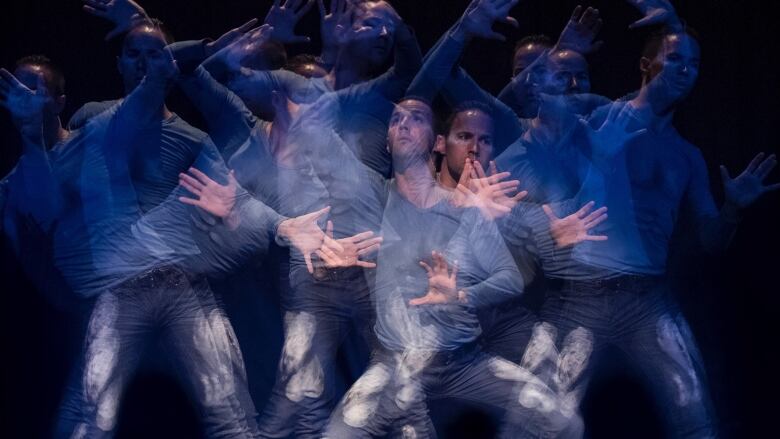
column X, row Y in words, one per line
column 59, row 104
column 440, row 145
column 644, row 65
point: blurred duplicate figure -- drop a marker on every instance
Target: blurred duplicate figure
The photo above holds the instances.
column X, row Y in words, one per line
column 439, row 263
column 18, row 190
column 344, row 165
column 140, row 287
column 296, row 163
column 647, row 174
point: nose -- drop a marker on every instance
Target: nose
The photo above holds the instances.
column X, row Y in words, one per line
column 383, row 31
column 573, row 84
column 141, row 62
column 403, row 123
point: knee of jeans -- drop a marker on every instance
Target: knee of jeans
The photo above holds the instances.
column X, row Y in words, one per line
column 541, row 347
column 574, row 356
column 300, row 327
column 307, row 381
column 674, row 340
column 363, row 398
column 101, row 385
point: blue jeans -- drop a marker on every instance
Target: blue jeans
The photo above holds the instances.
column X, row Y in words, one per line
column 638, row 316
column 318, row 316
column 182, row 310
column 391, row 396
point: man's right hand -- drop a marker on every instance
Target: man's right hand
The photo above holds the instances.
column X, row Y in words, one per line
column 479, row 17
column 305, row 235
column 575, row 228
column 25, row 105
column 123, row 13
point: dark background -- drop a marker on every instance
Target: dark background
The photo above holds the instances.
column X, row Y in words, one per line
column 730, row 301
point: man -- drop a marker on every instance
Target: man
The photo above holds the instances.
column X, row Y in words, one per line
column 149, row 258
column 427, row 325
column 647, row 182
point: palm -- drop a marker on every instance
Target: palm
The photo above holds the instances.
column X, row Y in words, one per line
column 210, row 196
column 580, row 32
column 442, row 283
column 481, row 14
column 24, row 104
column 284, row 17
column 120, row 12
column 613, row 135
column 749, row 185
column 575, row 228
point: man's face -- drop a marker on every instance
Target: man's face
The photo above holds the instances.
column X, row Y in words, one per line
column 142, row 46
column 28, row 74
column 566, row 73
column 372, row 33
column 410, row 132
column 470, row 136
column 525, row 55
column 676, row 66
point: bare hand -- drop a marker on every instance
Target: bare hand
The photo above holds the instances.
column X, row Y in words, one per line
column 574, row 228
column 655, row 12
column 613, row 135
column 352, row 249
column 330, row 20
column 580, row 32
column 487, row 193
column 305, row 235
column 284, row 17
column 123, row 13
column 743, row 190
column 210, row 196
column 442, row 283
column 25, row 105
column 480, row 15
column 229, row 37
column 244, row 46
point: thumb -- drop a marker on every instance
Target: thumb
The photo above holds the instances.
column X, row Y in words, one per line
column 329, row 229
column 548, row 211
column 420, row 301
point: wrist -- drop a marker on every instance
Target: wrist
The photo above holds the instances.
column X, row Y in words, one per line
column 458, row 32
column 730, row 212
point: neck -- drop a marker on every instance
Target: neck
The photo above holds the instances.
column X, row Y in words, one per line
column 53, row 132
column 446, row 179
column 416, row 183
column 659, row 110
column 343, row 74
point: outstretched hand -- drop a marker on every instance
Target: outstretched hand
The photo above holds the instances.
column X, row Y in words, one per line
column 748, row 186
column 580, row 32
column 284, row 17
column 489, row 194
column 122, row 13
column 655, row 12
column 209, row 195
column 480, row 15
column 329, row 20
column 575, row 228
column 613, row 135
column 229, row 37
column 305, row 235
column 442, row 283
column 243, row 46
column 352, row 249
column 25, row 105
